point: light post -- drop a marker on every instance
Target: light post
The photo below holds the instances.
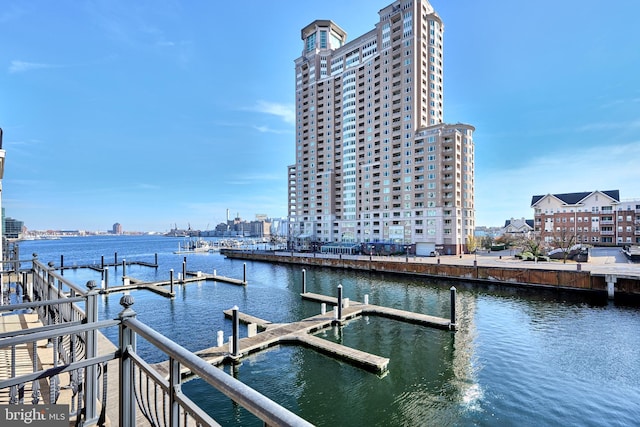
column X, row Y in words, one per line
column 406, row 252
column 371, row 253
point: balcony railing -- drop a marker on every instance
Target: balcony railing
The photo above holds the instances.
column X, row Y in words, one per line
column 73, row 335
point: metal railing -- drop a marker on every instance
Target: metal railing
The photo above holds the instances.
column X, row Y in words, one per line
column 71, row 335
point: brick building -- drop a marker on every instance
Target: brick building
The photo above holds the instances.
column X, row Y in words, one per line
column 598, row 218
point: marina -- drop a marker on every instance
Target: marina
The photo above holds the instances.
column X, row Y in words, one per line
column 514, row 351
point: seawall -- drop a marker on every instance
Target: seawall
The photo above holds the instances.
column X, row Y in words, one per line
column 519, row 275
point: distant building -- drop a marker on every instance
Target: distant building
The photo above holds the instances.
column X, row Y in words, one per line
column 597, row 218
column 484, row 231
column 261, row 228
column 117, row 228
column 517, row 227
column 374, row 161
column 12, row 228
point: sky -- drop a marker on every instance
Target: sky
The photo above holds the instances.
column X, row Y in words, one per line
column 163, row 113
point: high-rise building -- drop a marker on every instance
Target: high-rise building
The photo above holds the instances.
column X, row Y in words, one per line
column 374, row 160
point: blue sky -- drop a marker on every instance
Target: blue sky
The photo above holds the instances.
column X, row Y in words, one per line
column 143, row 112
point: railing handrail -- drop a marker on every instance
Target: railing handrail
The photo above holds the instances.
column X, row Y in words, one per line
column 79, row 290
column 43, row 333
column 261, row 406
column 27, row 305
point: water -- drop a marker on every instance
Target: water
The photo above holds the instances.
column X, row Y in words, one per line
column 518, row 358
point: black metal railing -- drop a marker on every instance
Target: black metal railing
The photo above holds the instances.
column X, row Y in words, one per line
column 69, row 337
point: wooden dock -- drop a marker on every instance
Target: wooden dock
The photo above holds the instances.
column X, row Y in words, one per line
column 299, row 333
column 159, row 286
column 100, row 267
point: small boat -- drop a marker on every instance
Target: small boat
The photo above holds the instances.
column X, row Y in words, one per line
column 194, row 246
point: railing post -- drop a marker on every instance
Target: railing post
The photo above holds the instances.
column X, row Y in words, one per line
column 174, row 387
column 127, row 342
column 91, row 391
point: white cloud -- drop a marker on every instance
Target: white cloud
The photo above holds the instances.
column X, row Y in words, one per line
column 23, row 66
column 266, row 129
column 285, row 111
column 248, row 179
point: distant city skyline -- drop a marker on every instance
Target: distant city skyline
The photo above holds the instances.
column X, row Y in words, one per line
column 151, row 115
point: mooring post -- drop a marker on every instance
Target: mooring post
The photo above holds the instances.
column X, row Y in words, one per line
column 244, row 273
column 115, row 258
column 366, row 299
column 323, row 308
column 105, row 274
column 61, row 262
column 236, row 332
column 184, row 270
column 452, row 322
column 124, row 270
column 102, row 261
column 156, row 259
column 171, row 279
column 339, row 302
column 304, row 281
column 220, row 339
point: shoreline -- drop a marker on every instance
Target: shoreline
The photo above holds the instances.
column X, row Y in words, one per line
column 602, row 276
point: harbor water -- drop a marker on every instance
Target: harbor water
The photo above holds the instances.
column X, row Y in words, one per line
column 519, row 357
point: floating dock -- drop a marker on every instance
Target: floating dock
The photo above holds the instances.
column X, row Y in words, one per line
column 299, row 333
column 158, row 287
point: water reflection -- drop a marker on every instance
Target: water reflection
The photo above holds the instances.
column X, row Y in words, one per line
column 520, row 357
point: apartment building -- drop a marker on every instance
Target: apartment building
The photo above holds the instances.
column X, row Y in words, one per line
column 598, row 218
column 374, row 160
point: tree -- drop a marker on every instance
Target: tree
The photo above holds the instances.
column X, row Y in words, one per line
column 564, row 240
column 533, row 246
column 472, row 243
column 486, row 242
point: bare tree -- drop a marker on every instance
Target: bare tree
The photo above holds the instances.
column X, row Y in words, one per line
column 564, row 240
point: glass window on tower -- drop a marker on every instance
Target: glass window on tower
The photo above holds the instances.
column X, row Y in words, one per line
column 311, row 42
column 323, row 39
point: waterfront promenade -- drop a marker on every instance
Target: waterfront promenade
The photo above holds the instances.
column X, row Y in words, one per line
column 608, row 271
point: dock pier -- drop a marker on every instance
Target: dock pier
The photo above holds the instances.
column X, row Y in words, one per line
column 300, row 333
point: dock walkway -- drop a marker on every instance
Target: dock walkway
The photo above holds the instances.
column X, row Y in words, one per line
column 159, row 286
column 299, row 333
